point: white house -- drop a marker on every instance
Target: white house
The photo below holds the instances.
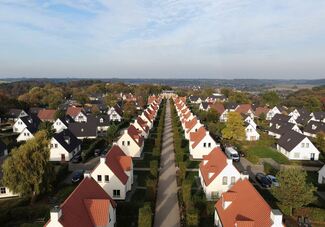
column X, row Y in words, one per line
column 282, row 118
column 87, row 205
column 272, row 112
column 131, row 142
column 313, row 128
column 318, row 116
column 251, row 132
column 278, row 129
column 250, row 120
column 224, row 116
column 142, row 126
column 195, row 99
column 217, row 174
column 296, row 146
column 63, row 146
column 26, row 134
column 243, row 205
column 191, row 126
column 77, row 114
column 148, row 118
column 201, row 143
column 321, row 175
column 205, row 106
column 15, row 114
column 114, row 173
column 115, row 113
column 62, row 123
column 19, row 125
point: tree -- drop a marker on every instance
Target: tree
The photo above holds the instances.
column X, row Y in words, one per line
column 239, row 97
column 47, row 126
column 212, row 116
column 110, row 100
column 112, row 133
column 293, row 191
column 27, row 170
column 129, row 111
column 320, row 141
column 234, row 129
column 271, row 98
column 145, row 215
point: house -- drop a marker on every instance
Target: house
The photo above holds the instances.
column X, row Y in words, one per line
column 148, row 118
column 296, row 146
column 303, row 120
column 87, row 206
column 29, row 126
column 85, row 130
column 131, row 142
column 63, row 146
column 278, row 129
column 62, row 123
column 251, row 132
column 272, row 112
column 201, row 143
column 318, row 116
column 142, row 126
column 216, row 97
column 242, row 205
column 205, row 106
column 250, row 120
column 281, row 118
column 77, row 114
column 101, row 121
column 299, row 112
column 15, row 114
column 321, row 175
column 35, row 110
column 217, row 173
column 218, row 107
column 47, row 115
column 245, row 109
column 4, row 191
column 191, row 126
column 229, row 107
column 115, row 113
column 195, row 99
column 114, row 173
column 259, row 111
column 3, row 149
column 313, row 128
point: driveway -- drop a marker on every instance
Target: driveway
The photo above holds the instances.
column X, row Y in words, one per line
column 167, row 208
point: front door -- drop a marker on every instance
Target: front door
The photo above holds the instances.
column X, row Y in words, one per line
column 62, row 157
column 312, row 156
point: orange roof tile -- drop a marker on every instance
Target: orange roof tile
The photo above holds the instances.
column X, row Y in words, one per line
column 98, row 211
column 218, row 107
column 190, row 124
column 73, row 111
column 197, row 136
column 215, row 162
column 260, row 110
column 247, row 208
column 46, row 114
column 243, row 108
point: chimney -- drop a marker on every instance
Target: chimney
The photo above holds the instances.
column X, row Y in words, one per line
column 276, row 218
column 55, row 213
column 87, row 174
column 244, row 175
column 229, row 161
column 102, row 159
column 67, row 139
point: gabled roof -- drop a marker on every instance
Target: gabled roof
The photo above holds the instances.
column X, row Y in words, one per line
column 46, row 114
column 290, row 140
column 86, row 205
column 32, row 122
column 74, row 111
column 303, row 119
column 135, row 135
column 243, row 108
column 314, row 127
column 118, row 162
column 212, row 165
column 205, row 105
column 190, row 124
column 65, row 136
column 35, row 110
column 118, row 110
column 247, row 208
column 231, row 106
column 14, row 112
column 143, row 124
column 66, row 120
column 218, row 107
column 320, row 115
column 197, row 136
column 86, row 129
column 281, row 127
column 278, row 118
column 259, row 110
column 99, row 120
column 193, row 98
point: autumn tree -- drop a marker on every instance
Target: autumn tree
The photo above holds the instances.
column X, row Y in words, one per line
column 320, row 141
column 234, row 129
column 239, row 97
column 27, row 170
column 294, row 191
column 271, row 98
column 110, row 99
column 112, row 133
column 129, row 110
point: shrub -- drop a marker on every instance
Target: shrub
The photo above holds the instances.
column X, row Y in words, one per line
column 269, row 169
column 186, row 192
column 192, row 217
column 182, row 171
column 145, row 216
column 151, row 185
column 154, row 168
column 61, row 173
column 315, row 214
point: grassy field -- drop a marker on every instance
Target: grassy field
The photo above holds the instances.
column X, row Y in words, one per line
column 261, row 151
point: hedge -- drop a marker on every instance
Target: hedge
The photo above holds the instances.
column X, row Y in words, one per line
column 87, row 154
column 313, row 213
column 145, row 216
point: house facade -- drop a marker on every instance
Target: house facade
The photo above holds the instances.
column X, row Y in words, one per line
column 131, row 142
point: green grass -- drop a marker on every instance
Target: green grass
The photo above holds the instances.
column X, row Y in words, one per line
column 267, row 152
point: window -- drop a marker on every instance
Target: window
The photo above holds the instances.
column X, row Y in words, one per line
column 106, row 178
column 101, row 120
column 116, row 193
column 224, row 180
column 233, row 179
column 204, row 144
column 3, row 190
column 128, row 143
column 296, row 155
column 122, row 143
column 99, row 178
column 56, row 145
column 209, row 144
column 51, row 145
column 302, row 144
column 307, row 145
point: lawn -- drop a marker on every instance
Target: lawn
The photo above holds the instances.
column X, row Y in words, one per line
column 266, row 152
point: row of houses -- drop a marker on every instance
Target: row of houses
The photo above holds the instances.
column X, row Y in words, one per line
column 238, row 202
column 92, row 203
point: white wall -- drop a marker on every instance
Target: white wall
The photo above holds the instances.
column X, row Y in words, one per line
column 321, row 175
column 200, row 150
column 299, row 152
column 133, row 149
column 24, row 135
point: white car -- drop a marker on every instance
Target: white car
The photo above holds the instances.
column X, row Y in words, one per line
column 273, row 180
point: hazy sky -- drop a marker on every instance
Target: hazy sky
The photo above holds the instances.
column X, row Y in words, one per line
column 163, row 38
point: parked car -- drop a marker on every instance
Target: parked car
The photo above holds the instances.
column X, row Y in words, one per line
column 77, row 159
column 232, row 154
column 273, row 180
column 97, row 152
column 78, row 176
column 263, row 180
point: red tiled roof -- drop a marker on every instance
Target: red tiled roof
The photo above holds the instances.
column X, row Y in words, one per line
column 260, row 110
column 151, row 99
column 197, row 136
column 142, row 123
column 73, row 111
column 248, row 208
column 190, row 124
column 135, row 135
column 97, row 210
column 216, row 161
column 74, row 210
column 118, row 162
column 218, row 107
column 46, row 114
column 243, row 108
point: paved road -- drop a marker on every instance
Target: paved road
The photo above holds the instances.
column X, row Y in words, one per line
column 167, row 208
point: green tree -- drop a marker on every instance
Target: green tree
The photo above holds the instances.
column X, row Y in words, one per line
column 112, row 133
column 212, row 116
column 239, row 97
column 320, row 142
column 110, row 100
column 234, row 129
column 47, row 126
column 145, row 215
column 293, row 191
column 129, row 111
column 271, row 98
column 27, row 170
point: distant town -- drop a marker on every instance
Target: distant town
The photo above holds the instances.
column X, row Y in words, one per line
column 162, row 152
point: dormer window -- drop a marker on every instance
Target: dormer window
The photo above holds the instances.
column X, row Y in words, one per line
column 101, row 120
column 224, row 180
column 314, row 127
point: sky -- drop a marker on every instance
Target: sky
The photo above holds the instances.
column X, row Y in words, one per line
column 265, row 39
